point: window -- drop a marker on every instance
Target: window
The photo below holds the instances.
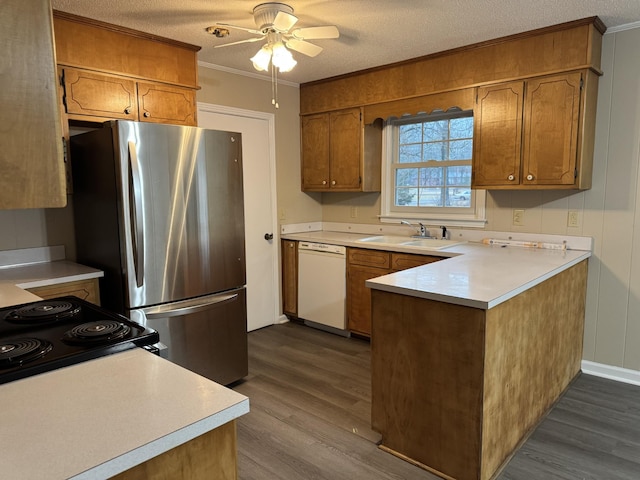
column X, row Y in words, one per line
column 428, row 170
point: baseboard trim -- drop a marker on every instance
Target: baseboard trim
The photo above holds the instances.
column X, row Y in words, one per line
column 618, row 374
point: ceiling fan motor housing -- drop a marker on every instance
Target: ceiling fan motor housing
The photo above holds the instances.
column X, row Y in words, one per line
column 265, row 13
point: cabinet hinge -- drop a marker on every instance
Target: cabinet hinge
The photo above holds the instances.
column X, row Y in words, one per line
column 581, row 82
column 575, row 172
column 359, row 180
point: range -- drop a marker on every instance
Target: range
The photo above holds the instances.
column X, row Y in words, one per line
column 41, row 336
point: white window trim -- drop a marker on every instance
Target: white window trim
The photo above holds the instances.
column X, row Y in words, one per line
column 475, row 220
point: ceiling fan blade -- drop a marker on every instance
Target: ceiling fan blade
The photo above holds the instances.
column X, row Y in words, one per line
column 284, row 21
column 249, row 40
column 311, row 33
column 303, row 47
column 244, row 29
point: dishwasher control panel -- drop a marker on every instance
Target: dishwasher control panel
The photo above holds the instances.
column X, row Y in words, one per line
column 322, row 247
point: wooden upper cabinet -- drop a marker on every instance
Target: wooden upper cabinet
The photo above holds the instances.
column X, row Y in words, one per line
column 497, row 136
column 550, row 139
column 345, row 142
column 31, row 158
column 112, row 72
column 96, row 94
column 535, row 134
column 340, row 153
column 166, row 104
column 315, row 151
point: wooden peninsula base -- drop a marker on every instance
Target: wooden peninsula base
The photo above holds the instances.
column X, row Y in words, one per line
column 212, row 455
column 455, row 389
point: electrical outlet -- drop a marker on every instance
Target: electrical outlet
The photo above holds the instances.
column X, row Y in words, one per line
column 283, row 214
column 573, row 219
column 518, row 217
column 354, row 212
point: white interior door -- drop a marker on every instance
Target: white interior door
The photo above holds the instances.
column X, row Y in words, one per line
column 258, row 158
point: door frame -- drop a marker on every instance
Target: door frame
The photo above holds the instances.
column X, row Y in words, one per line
column 270, row 119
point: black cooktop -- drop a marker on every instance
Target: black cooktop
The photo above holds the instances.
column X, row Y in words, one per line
column 41, row 336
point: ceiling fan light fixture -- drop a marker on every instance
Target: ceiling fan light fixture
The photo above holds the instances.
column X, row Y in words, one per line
column 261, row 59
column 282, row 58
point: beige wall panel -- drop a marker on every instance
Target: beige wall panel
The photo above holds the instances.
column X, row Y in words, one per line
column 223, row 88
column 621, row 190
column 337, row 207
column 594, row 201
column 627, row 96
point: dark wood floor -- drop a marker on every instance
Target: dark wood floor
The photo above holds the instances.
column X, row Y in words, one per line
column 310, row 406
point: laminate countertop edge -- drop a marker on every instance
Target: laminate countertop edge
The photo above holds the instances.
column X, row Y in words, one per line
column 470, row 274
column 104, row 416
column 15, row 280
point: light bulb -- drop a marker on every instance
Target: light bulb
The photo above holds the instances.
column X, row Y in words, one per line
column 282, row 58
column 261, row 58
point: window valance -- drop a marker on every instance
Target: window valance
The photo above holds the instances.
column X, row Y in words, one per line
column 462, row 99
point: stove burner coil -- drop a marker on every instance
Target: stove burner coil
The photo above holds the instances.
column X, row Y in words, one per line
column 41, row 312
column 101, row 331
column 22, row 350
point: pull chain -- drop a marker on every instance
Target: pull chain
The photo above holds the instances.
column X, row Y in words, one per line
column 274, row 86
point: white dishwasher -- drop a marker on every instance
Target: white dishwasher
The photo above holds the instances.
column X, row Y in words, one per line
column 322, row 286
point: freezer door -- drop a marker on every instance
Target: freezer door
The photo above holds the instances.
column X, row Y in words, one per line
column 207, row 335
column 182, row 211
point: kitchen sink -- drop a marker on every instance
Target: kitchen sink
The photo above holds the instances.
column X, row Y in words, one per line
column 389, row 239
column 430, row 243
column 433, row 243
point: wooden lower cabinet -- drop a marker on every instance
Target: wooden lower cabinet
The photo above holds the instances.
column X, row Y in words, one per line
column 364, row 264
column 455, row 389
column 88, row 290
column 212, row 455
column 289, row 277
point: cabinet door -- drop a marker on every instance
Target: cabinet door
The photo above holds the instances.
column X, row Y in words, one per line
column 85, row 289
column 315, row 151
column 368, row 258
column 552, row 108
column 290, row 278
column 166, row 104
column 345, row 167
column 99, row 95
column 402, row 261
column 359, row 297
column 497, row 135
column 31, row 158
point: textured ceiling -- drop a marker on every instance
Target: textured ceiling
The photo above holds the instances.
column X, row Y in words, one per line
column 372, row 32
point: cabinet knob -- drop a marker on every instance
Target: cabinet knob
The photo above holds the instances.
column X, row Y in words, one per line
column 291, row 245
column 511, row 178
column 127, row 110
column 146, row 114
column 324, row 182
column 333, row 182
column 529, row 177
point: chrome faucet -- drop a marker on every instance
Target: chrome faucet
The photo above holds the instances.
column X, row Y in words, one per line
column 421, row 232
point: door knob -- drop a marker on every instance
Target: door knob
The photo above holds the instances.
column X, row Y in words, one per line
column 268, row 236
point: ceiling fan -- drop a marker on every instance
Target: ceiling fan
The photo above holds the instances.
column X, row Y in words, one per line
column 275, row 22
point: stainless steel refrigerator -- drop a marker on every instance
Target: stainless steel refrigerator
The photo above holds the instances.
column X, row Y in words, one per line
column 159, row 208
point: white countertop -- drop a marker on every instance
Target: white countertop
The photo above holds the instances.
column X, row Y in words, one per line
column 98, row 418
column 14, row 280
column 473, row 274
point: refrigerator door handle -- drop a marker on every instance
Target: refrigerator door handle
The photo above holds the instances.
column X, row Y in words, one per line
column 135, row 214
column 187, row 307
